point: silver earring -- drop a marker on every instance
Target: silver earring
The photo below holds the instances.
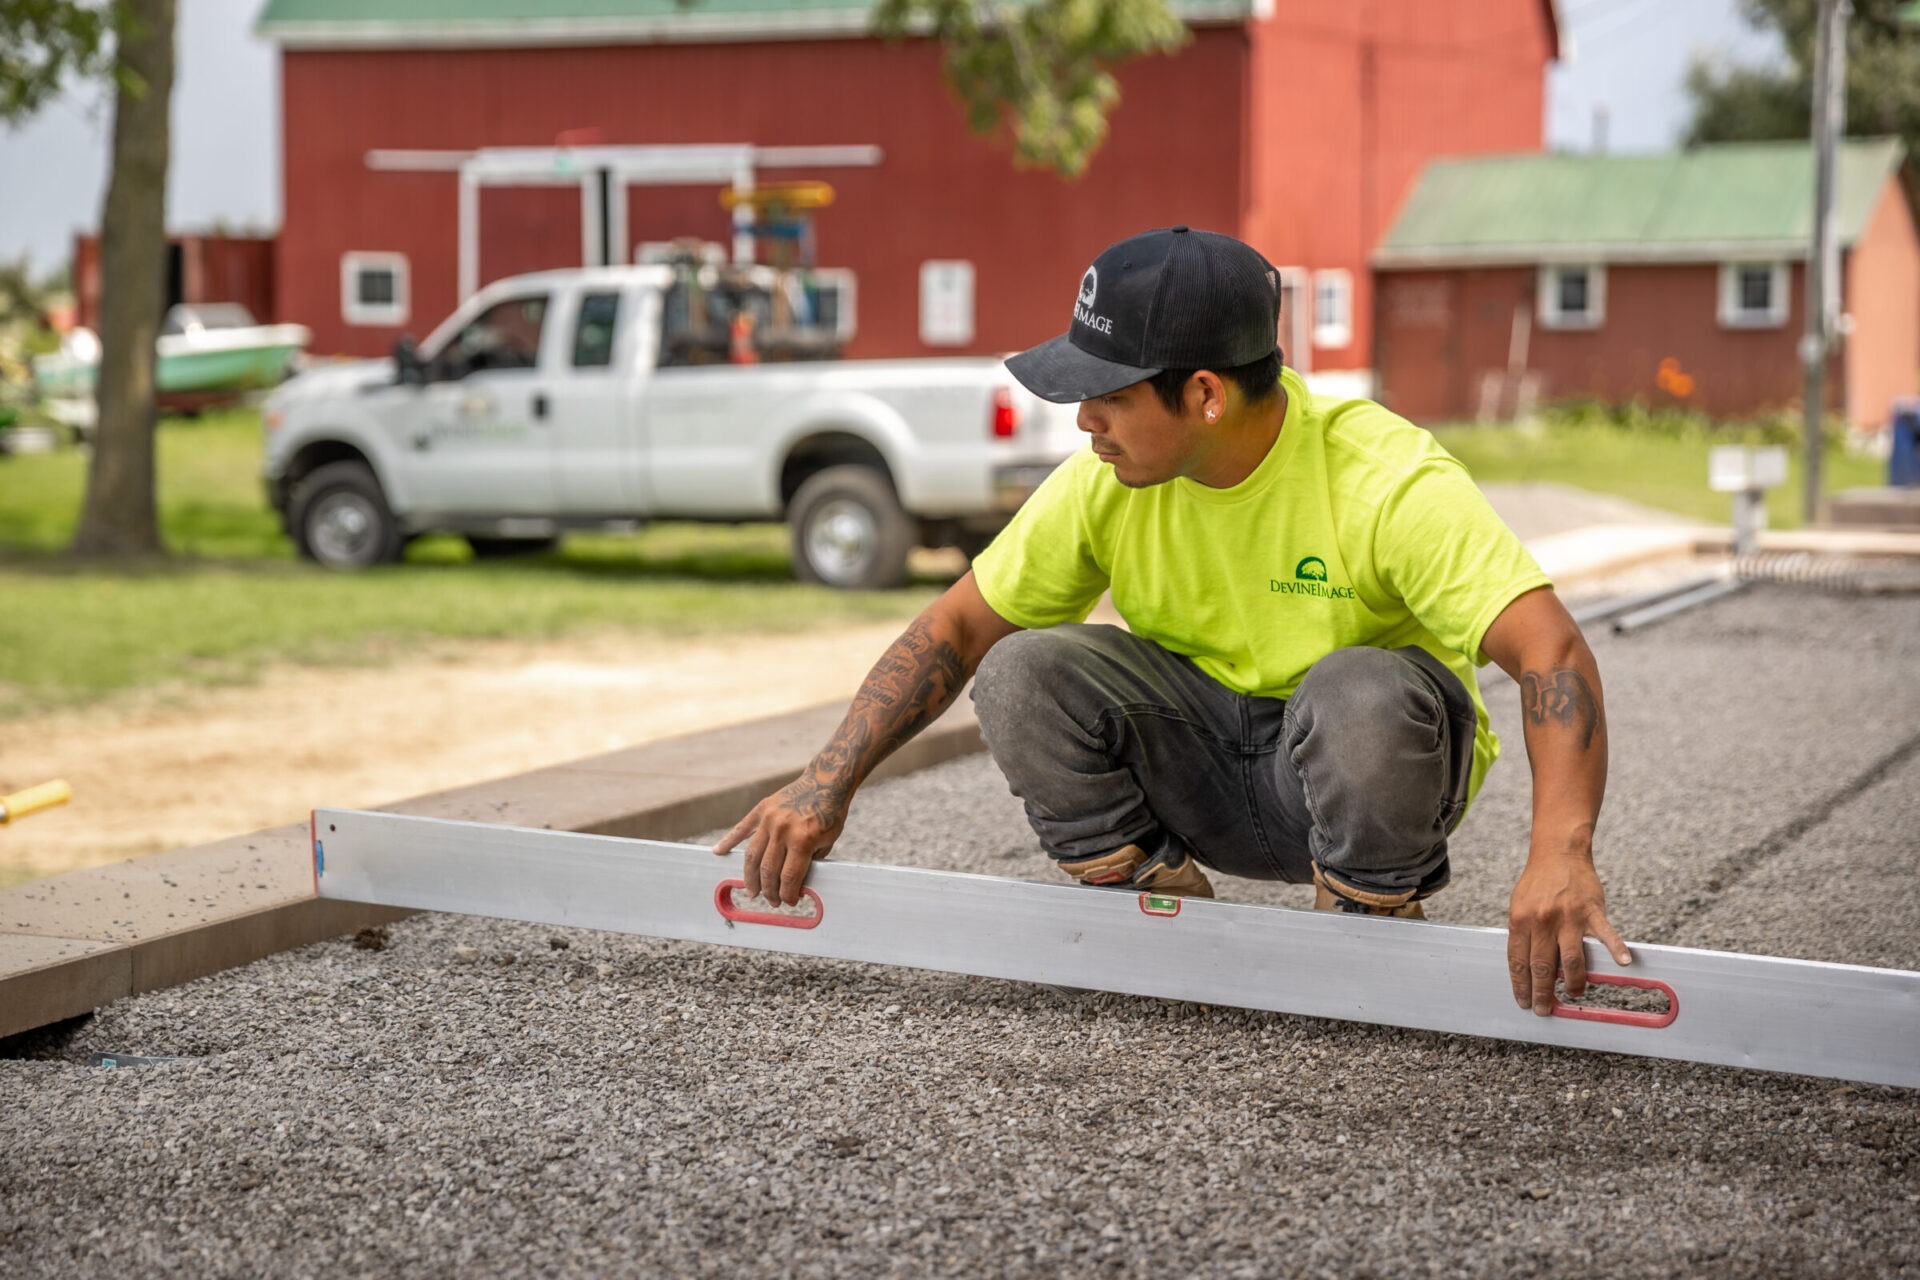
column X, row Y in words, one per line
column 1209, row 415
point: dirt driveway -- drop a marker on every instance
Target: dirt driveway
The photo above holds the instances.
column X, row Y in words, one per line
column 158, row 771
column 166, row 769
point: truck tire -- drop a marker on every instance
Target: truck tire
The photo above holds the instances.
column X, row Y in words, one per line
column 339, row 518
column 849, row 531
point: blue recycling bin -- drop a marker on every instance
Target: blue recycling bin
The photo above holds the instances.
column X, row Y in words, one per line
column 1903, row 466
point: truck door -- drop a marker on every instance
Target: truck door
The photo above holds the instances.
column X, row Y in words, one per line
column 479, row 441
column 593, row 398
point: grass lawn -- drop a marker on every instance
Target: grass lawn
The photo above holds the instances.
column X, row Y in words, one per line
column 1662, row 471
column 234, row 596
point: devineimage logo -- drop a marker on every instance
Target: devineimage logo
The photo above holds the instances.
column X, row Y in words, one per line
column 1083, row 311
column 1310, row 579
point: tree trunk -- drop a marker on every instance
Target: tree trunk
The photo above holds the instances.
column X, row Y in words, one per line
column 121, row 517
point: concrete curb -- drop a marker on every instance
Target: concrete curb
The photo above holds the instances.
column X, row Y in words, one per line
column 71, row 943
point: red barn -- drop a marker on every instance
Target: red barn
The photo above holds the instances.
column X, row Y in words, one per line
column 1294, row 124
column 1676, row 279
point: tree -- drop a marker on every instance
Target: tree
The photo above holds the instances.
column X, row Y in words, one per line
column 43, row 45
column 1044, row 67
column 1734, row 103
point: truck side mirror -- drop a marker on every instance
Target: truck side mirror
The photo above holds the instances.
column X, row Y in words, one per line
column 408, row 368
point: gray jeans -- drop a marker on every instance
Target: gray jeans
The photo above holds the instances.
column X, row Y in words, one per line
column 1112, row 740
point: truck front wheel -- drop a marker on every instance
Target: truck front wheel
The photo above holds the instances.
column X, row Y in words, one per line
column 849, row 530
column 339, row 518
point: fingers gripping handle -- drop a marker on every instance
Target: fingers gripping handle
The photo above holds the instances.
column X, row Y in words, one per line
column 34, row 799
column 735, row 914
column 1622, row 1017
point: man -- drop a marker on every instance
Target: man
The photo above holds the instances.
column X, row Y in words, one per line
column 1308, row 586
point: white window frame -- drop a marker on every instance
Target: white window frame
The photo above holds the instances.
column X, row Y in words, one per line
column 1547, row 293
column 1335, row 330
column 386, row 314
column 1733, row 316
column 937, row 329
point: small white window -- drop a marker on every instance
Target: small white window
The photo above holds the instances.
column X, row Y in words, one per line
column 1573, row 295
column 373, row 288
column 946, row 303
column 1753, row 295
column 1332, row 308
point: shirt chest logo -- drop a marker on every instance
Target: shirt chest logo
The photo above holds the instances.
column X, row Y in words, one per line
column 1310, row 579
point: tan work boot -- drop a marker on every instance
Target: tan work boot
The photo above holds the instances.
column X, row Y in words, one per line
column 1172, row 871
column 1359, row 902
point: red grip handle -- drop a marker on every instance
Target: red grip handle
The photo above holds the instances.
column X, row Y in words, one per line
column 723, row 902
column 1624, row 1017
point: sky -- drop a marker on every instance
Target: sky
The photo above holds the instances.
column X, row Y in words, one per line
column 1628, row 60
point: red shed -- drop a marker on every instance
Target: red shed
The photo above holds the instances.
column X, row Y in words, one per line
column 1294, row 124
column 214, row 267
column 1669, row 279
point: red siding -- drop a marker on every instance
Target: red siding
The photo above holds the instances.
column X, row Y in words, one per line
column 212, row 268
column 1174, row 156
column 1350, row 101
column 1443, row 330
column 1882, row 354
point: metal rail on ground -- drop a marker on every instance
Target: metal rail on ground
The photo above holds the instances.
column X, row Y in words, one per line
column 1706, row 593
column 1846, row 1022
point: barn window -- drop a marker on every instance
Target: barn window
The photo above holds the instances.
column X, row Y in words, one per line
column 1332, row 308
column 1573, row 295
column 1753, row 295
column 373, row 288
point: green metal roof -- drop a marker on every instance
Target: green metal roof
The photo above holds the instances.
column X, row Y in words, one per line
column 372, row 23
column 403, row 12
column 1700, row 203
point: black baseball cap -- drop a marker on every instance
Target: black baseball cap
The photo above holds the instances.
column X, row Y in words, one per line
column 1172, row 299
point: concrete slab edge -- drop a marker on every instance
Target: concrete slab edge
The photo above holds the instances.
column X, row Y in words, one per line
column 39, row 987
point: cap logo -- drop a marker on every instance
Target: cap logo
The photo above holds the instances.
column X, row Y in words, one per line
column 1083, row 312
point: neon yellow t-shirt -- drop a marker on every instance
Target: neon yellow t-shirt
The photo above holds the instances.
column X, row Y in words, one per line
column 1356, row 529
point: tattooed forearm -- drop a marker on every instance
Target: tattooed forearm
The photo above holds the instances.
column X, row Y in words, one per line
column 1561, row 696
column 917, row 678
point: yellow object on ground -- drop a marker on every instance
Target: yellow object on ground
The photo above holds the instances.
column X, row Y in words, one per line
column 34, row 799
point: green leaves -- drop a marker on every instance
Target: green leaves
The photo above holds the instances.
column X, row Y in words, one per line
column 1733, row 103
column 1044, row 68
column 43, row 43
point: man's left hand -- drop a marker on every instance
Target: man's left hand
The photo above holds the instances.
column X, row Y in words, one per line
column 1556, row 905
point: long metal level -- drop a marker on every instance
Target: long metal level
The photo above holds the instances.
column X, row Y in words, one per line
column 1848, row 1022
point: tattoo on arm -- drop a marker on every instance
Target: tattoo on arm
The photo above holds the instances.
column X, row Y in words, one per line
column 917, row 678
column 1563, row 697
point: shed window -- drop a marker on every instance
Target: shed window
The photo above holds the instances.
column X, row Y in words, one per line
column 373, row 288
column 1573, row 296
column 1332, row 308
column 1753, row 295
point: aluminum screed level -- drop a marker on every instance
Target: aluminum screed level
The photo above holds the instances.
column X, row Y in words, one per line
column 1847, row 1022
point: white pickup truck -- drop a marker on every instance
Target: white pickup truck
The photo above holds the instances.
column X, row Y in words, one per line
column 552, row 402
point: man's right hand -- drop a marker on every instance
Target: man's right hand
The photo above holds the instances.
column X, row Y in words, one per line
column 916, row 679
column 784, row 834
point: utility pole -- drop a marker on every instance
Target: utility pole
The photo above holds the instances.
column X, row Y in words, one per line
column 1823, row 262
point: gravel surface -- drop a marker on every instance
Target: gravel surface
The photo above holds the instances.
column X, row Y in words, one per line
column 474, row 1097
